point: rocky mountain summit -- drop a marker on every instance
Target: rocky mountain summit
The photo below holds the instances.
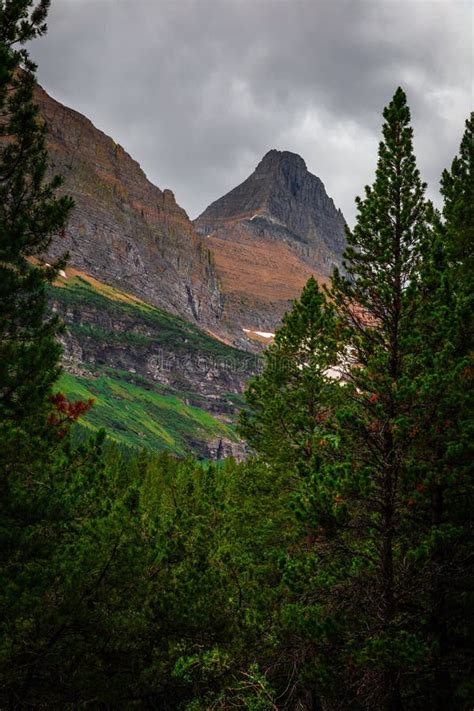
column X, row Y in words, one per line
column 268, row 235
column 123, row 229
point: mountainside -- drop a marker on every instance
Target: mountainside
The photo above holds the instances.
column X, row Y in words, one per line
column 138, row 267
column 157, row 380
column 269, row 235
column 238, row 267
column 124, row 230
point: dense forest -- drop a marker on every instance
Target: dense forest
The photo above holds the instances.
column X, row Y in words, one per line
column 333, row 569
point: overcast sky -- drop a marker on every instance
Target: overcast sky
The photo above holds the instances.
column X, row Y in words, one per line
column 199, row 90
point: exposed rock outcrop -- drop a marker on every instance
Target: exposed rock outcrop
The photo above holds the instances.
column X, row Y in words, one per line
column 107, row 330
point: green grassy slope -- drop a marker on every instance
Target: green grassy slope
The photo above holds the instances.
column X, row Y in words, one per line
column 136, row 410
column 140, row 417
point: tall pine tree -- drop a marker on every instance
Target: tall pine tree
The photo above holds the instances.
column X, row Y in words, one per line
column 377, row 305
column 362, row 602
column 442, row 437
column 30, row 214
column 384, row 604
column 457, row 188
column 44, row 486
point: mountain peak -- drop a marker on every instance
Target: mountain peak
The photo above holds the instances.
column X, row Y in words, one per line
column 283, row 190
column 281, row 159
column 279, row 177
column 269, row 235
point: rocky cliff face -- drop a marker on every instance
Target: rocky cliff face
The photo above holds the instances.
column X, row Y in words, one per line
column 124, row 230
column 268, row 235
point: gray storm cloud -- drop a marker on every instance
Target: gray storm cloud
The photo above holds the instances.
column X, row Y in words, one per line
column 198, row 90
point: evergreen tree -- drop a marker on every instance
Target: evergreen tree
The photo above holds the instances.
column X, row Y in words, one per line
column 357, row 598
column 379, row 468
column 377, row 304
column 379, row 601
column 289, row 400
column 457, row 188
column 289, row 406
column 29, row 215
column 45, row 485
column 442, row 436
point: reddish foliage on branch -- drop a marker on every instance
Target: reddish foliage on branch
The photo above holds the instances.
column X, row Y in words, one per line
column 67, row 412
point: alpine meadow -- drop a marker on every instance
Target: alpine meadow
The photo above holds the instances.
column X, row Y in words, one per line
column 235, row 453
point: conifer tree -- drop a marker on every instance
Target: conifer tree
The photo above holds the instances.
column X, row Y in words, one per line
column 289, row 404
column 349, row 594
column 377, row 304
column 289, row 399
column 30, row 214
column 44, row 484
column 390, row 503
column 443, row 435
column 457, row 188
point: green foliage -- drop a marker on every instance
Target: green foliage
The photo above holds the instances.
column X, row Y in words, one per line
column 373, row 596
column 45, row 488
column 457, row 188
column 291, row 399
column 441, row 382
column 371, row 476
column 29, row 215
